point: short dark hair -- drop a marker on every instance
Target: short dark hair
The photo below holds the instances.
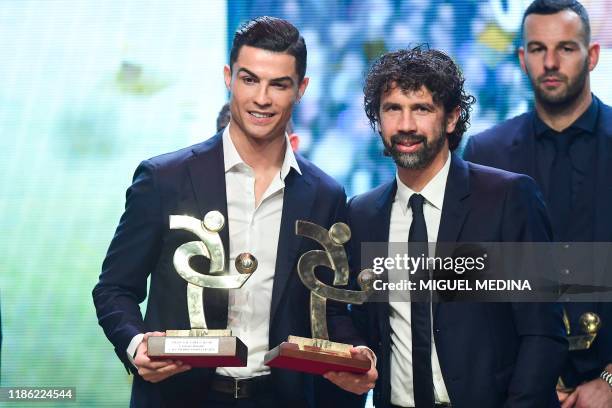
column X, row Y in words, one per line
column 271, row 34
column 412, row 69
column 555, row 6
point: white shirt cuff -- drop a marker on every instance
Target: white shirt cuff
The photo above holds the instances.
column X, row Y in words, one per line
column 133, row 346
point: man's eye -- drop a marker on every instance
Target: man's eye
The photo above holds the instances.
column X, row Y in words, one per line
column 280, row 86
column 248, row 80
column 536, row 49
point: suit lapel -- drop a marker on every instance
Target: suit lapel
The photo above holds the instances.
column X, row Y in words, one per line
column 522, row 152
column 379, row 232
column 603, row 186
column 207, row 173
column 455, row 207
column 298, row 198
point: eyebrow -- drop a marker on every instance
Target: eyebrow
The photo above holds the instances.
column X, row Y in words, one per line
column 281, row 79
column 388, row 105
column 429, row 106
column 560, row 44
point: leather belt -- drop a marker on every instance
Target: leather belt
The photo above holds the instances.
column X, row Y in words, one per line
column 240, row 388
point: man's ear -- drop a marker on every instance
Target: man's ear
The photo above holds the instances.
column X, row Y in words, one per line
column 521, row 56
column 227, row 77
column 594, row 49
column 302, row 88
column 451, row 119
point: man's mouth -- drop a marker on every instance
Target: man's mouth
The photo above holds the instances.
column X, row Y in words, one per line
column 551, row 81
column 407, row 145
column 261, row 115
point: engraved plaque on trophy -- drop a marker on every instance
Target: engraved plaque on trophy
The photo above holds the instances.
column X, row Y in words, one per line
column 319, row 355
column 200, row 346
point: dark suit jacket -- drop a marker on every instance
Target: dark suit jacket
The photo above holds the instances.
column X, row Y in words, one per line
column 191, row 181
column 491, row 354
column 511, row 146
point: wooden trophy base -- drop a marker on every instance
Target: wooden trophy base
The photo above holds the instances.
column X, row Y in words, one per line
column 314, row 356
column 199, row 348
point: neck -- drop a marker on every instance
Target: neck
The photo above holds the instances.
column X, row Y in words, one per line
column 259, row 154
column 560, row 118
column 417, row 179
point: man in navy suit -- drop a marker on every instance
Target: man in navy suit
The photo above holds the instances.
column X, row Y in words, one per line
column 565, row 144
column 249, row 173
column 463, row 354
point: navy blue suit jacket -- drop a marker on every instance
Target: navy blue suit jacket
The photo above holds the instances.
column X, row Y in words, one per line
column 191, row 181
column 511, row 146
column 491, row 354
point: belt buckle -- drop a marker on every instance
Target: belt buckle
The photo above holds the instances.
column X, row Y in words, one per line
column 236, row 387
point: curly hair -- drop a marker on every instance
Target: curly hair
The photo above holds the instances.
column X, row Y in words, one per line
column 413, row 69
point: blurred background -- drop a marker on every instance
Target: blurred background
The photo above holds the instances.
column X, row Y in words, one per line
column 88, row 89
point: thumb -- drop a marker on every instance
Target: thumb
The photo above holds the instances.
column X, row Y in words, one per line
column 571, row 400
column 359, row 353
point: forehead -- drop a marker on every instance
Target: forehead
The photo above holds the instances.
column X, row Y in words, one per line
column 264, row 63
column 397, row 94
column 562, row 26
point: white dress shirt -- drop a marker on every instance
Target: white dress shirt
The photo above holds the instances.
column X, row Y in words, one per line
column 402, row 392
column 253, row 229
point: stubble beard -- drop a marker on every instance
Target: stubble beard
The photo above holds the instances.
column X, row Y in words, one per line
column 563, row 99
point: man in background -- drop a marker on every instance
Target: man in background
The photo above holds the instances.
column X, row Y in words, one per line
column 565, row 144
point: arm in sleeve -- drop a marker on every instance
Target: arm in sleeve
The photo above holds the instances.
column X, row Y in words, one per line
column 132, row 255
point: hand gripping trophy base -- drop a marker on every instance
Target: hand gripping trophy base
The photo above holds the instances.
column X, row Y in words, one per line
column 200, row 346
column 315, row 356
column 319, row 355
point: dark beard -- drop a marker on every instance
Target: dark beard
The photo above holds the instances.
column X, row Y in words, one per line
column 419, row 159
column 566, row 99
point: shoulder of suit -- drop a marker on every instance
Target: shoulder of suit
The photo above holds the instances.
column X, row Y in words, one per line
column 494, row 178
column 501, row 130
column 368, row 198
column 181, row 156
column 310, row 169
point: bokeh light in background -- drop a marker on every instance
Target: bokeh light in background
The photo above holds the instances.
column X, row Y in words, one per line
column 89, row 88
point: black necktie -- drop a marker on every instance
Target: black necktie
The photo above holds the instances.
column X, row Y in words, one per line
column 420, row 313
column 560, row 191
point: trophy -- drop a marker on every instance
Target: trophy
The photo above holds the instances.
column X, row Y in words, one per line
column 320, row 355
column 200, row 346
column 590, row 323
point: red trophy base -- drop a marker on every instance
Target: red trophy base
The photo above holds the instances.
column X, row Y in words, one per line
column 199, row 351
column 300, row 356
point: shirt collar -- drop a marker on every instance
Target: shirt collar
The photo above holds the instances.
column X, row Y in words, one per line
column 433, row 192
column 231, row 157
column 586, row 122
